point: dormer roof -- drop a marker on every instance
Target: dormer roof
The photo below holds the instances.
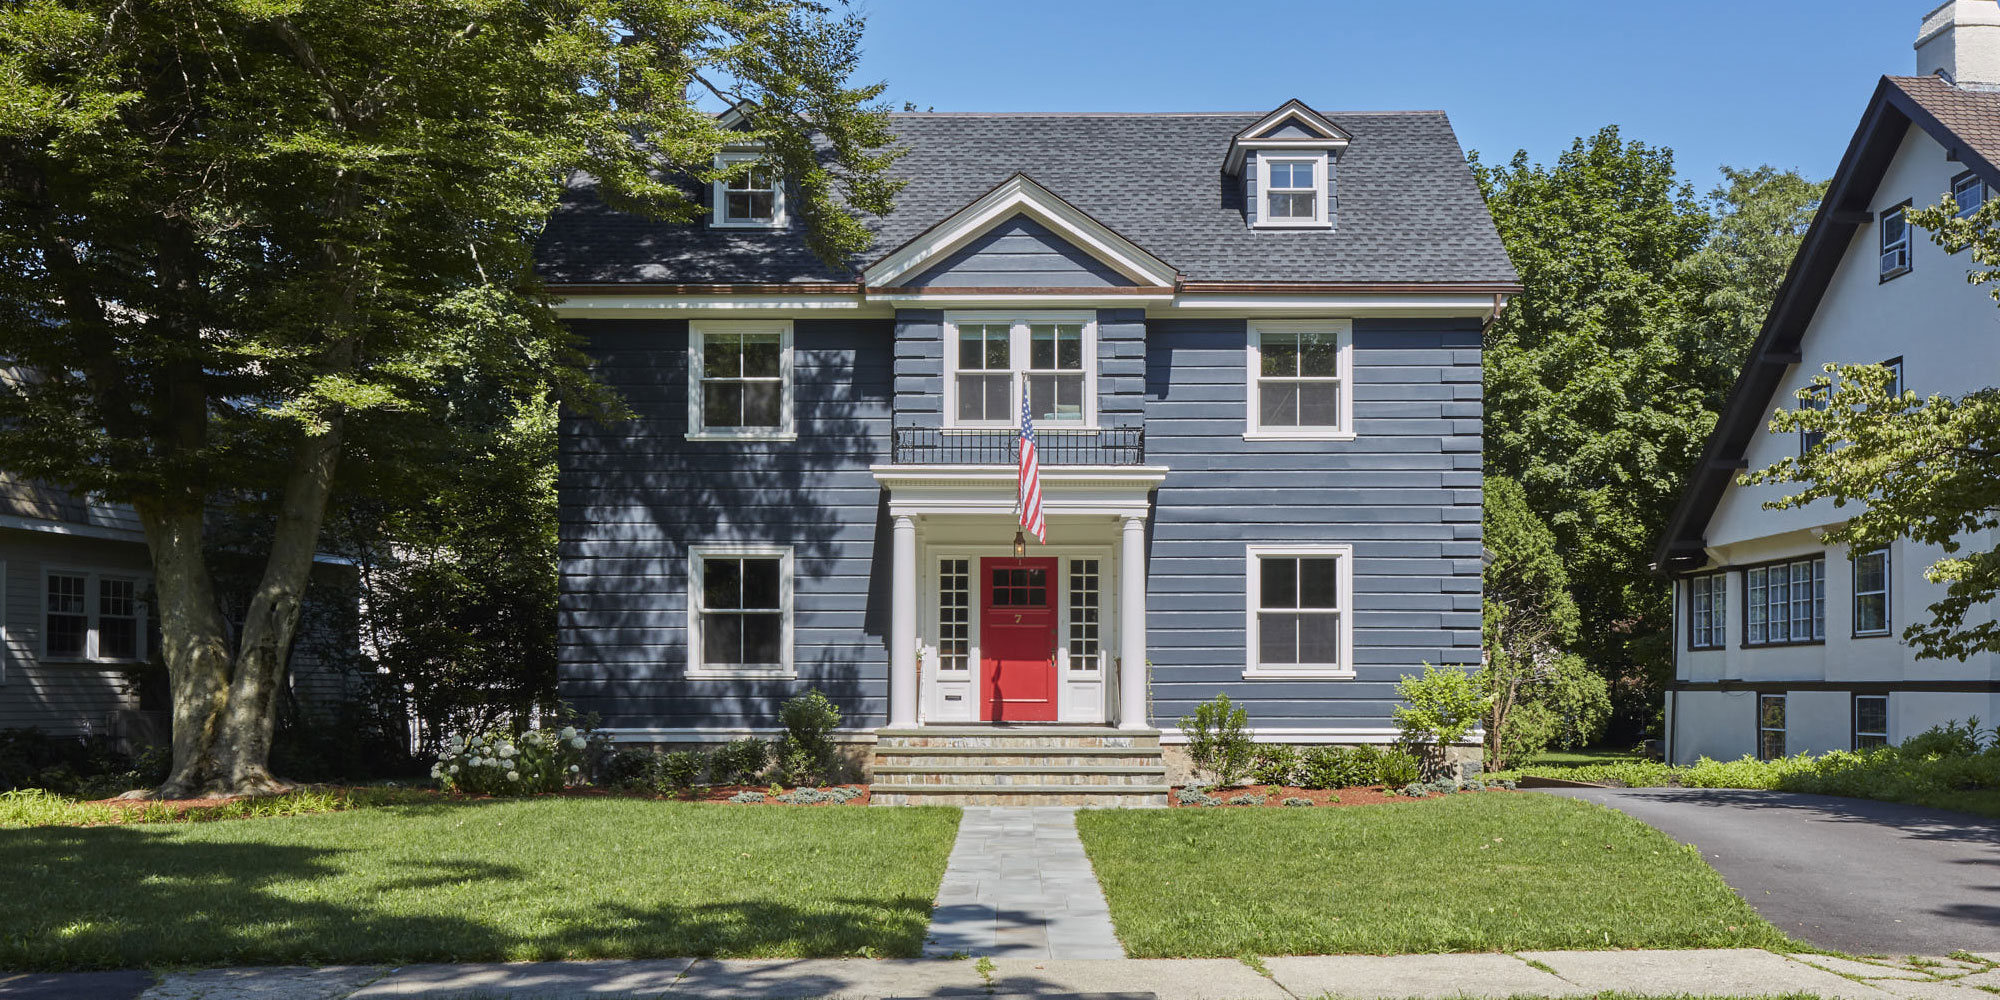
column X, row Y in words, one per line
column 1020, row 195
column 1292, row 126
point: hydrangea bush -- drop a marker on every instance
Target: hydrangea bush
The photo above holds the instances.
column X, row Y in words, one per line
column 501, row 763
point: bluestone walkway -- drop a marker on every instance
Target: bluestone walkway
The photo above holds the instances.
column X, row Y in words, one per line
column 1019, row 886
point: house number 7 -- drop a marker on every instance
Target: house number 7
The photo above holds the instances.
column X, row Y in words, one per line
column 1017, row 619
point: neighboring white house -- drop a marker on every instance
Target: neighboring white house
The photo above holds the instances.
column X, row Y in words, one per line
column 1784, row 644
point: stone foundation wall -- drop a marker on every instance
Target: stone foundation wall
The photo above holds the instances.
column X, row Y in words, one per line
column 856, row 758
column 1466, row 760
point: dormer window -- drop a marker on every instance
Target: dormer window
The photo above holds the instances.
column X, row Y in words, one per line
column 751, row 199
column 1285, row 160
column 1292, row 193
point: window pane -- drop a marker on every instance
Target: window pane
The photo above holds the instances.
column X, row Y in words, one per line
column 1069, row 347
column 1319, row 354
column 1771, row 712
column 722, row 404
column 722, row 640
column 65, row 625
column 996, row 348
column 1277, row 639
column 1277, row 403
column 763, row 638
column 722, row 584
column 1317, row 583
column 761, row 583
column 1753, row 623
column 1056, row 397
column 118, row 638
column 763, row 403
column 1893, row 229
column 1280, row 352
column 1771, row 745
column 983, row 397
column 1281, row 175
column 1319, row 639
column 761, row 355
column 1319, row 404
column 1041, row 347
column 999, row 397
column 1278, row 583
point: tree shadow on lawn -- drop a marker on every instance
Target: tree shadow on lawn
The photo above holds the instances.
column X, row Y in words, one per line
column 123, row 897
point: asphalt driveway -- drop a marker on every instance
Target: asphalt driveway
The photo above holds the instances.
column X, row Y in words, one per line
column 1855, row 875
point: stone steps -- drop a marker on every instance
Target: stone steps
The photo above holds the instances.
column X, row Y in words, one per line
column 1019, row 765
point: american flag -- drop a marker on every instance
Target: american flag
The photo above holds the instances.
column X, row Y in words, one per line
column 1031, row 478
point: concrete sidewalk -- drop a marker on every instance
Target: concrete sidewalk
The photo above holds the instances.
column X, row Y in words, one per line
column 1548, row 973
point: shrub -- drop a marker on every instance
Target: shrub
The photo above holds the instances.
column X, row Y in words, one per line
column 1246, row 800
column 747, row 797
column 809, row 756
column 86, row 767
column 1416, row 790
column 1948, row 740
column 628, row 768
column 495, row 763
column 681, row 770
column 1397, row 767
column 1275, row 764
column 1299, row 803
column 1438, row 710
column 1218, row 739
column 739, row 762
column 1193, row 796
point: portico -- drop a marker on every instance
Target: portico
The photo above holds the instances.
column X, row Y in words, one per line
column 981, row 633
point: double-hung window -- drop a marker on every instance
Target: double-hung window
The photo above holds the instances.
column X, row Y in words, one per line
column 740, row 379
column 1770, row 726
column 1301, row 375
column 740, row 611
column 751, row 197
column 1871, row 721
column 1895, row 366
column 1871, row 593
column 1708, row 610
column 1969, row 192
column 1895, row 241
column 1294, row 190
column 1785, row 603
column 1300, row 622
column 994, row 359
column 92, row 616
column 1814, row 400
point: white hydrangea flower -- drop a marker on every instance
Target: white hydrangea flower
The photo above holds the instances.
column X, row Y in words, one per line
column 573, row 769
column 577, row 742
column 569, row 732
column 454, row 769
column 507, row 750
column 513, row 775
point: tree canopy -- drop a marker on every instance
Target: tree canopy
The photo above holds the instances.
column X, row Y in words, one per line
column 245, row 241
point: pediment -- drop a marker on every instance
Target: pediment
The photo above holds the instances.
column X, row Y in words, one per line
column 1021, row 218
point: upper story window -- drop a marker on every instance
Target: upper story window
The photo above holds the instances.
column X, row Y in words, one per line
column 1785, row 603
column 1895, row 242
column 740, row 379
column 1808, row 440
column 1871, row 593
column 1294, row 188
column 751, row 199
column 994, row 358
column 1708, row 611
column 1969, row 192
column 1300, row 374
column 1895, row 366
column 91, row 616
column 740, row 611
column 1299, row 623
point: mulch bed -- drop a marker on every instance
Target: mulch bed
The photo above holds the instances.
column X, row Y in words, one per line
column 1275, row 795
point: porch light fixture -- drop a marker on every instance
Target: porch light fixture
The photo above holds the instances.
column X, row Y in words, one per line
column 1020, row 544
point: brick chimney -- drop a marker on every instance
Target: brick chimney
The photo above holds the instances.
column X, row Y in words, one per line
column 1961, row 40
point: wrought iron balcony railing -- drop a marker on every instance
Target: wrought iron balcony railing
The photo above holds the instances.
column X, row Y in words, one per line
column 1001, row 446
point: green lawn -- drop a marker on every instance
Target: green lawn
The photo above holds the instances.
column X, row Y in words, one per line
column 1475, row 872
column 536, row 879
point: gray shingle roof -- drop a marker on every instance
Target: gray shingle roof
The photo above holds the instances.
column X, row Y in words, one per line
column 1406, row 208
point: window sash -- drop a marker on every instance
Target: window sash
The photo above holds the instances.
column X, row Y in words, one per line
column 1299, row 382
column 92, row 616
column 1871, row 721
column 994, row 362
column 1298, row 612
column 66, row 623
column 1709, row 611
column 1292, row 189
column 1785, row 603
column 1770, row 726
column 752, row 197
column 1808, row 440
column 1970, row 193
column 1871, row 593
column 741, row 612
column 1895, row 230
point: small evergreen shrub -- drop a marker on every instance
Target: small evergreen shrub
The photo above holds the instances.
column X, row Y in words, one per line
column 1218, row 739
column 681, row 770
column 844, row 794
column 1299, row 803
column 1416, row 790
column 809, row 797
column 1275, row 764
column 1194, row 796
column 809, row 755
column 739, row 762
column 628, row 768
column 747, row 797
column 1246, row 800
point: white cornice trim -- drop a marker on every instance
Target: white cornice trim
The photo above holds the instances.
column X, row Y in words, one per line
column 1120, row 490
column 1020, row 195
column 590, row 306
column 1414, row 304
column 882, row 305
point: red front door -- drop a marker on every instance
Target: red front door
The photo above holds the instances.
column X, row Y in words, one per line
column 1017, row 640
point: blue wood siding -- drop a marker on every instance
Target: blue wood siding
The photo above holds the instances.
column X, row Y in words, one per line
column 635, row 494
column 1405, row 494
column 1020, row 253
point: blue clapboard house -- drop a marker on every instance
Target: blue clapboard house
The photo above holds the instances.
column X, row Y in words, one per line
column 1250, row 344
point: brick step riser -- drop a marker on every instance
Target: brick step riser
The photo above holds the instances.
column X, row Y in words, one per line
column 1006, row 760
column 1101, row 801
column 1001, row 779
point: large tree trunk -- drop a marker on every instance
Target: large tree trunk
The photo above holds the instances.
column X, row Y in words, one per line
column 192, row 641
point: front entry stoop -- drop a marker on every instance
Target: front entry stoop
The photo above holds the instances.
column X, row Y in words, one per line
column 1019, row 765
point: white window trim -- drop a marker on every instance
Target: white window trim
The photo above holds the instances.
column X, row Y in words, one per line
column 141, row 582
column 787, row 670
column 1017, row 356
column 1253, row 582
column 780, row 216
column 1253, row 361
column 1320, row 218
column 698, row 333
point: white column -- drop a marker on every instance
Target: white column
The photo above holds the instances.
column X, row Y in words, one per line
column 903, row 624
column 1132, row 624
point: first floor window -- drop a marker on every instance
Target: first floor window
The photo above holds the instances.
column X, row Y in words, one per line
column 1785, row 603
column 1871, row 721
column 740, row 380
column 741, row 612
column 117, row 619
column 1770, row 726
column 67, row 627
column 1708, row 615
column 1871, row 593
column 1299, row 603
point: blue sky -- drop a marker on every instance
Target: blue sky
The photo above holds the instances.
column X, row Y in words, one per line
column 1742, row 82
